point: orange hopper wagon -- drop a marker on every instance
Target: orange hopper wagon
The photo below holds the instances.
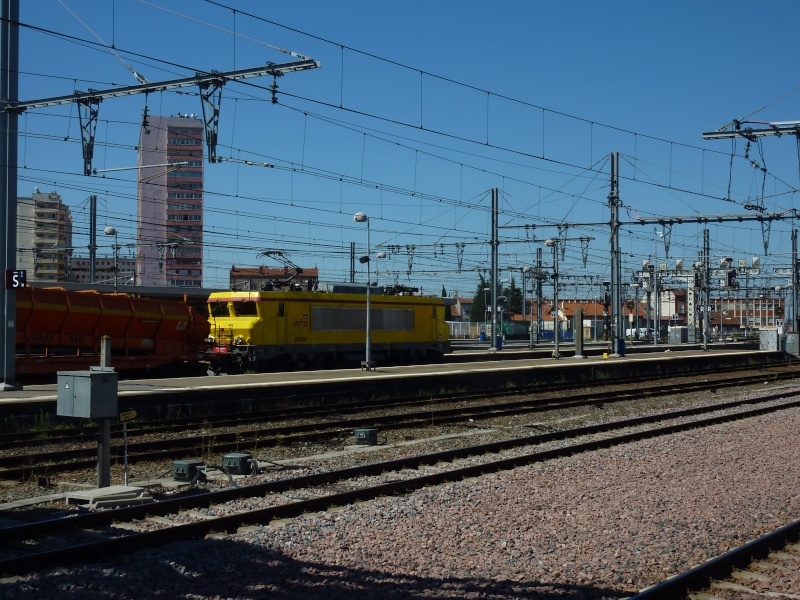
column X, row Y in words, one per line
column 60, row 330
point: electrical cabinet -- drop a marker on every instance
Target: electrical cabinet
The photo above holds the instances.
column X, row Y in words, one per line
column 237, row 463
column 366, row 437
column 88, row 394
column 185, row 470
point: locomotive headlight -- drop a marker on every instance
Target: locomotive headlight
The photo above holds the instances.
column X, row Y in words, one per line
column 210, row 339
column 239, row 339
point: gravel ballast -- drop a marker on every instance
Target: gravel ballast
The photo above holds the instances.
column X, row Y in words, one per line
column 600, row 525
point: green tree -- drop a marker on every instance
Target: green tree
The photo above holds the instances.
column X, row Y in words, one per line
column 477, row 313
column 513, row 297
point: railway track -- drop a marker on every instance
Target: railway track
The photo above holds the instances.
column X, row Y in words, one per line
column 18, row 466
column 310, row 405
column 770, row 563
column 101, row 534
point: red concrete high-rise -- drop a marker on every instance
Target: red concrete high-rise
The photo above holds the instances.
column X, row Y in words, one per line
column 170, row 202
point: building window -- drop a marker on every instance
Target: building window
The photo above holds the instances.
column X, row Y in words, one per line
column 184, row 195
column 184, row 217
column 194, row 174
column 184, row 282
column 173, row 152
column 184, row 141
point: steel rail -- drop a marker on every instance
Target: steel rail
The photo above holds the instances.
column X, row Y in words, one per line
column 89, row 433
column 134, row 541
column 16, row 466
column 83, row 458
column 721, row 567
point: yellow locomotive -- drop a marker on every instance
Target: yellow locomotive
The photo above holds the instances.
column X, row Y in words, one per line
column 294, row 328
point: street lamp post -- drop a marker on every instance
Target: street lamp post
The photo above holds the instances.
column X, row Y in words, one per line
column 497, row 331
column 553, row 243
column 606, row 313
column 486, row 291
column 657, row 298
column 635, row 312
column 111, row 230
column 360, row 217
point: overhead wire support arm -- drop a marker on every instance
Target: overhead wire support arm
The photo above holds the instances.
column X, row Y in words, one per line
column 88, row 109
column 211, row 97
column 777, row 128
column 198, row 79
column 731, row 218
column 210, row 85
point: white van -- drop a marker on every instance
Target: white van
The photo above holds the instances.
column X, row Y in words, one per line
column 642, row 333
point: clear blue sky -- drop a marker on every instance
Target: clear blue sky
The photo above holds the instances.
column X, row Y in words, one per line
column 418, row 110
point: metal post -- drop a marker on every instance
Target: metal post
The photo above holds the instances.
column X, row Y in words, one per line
column 125, row 449
column 795, row 282
column 352, row 262
column 116, row 262
column 746, row 304
column 486, row 291
column 649, row 291
column 578, row 333
column 706, row 289
column 92, row 237
column 539, row 295
column 369, row 303
column 9, row 84
column 360, row 217
column 111, row 230
column 556, row 321
column 495, row 242
column 630, row 311
column 104, row 435
column 657, row 297
column 616, row 261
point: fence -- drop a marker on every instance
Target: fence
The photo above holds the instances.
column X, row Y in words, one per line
column 464, row 330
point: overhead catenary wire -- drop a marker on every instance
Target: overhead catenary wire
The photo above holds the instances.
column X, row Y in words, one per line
column 414, row 192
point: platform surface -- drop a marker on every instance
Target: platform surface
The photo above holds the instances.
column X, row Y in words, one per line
column 492, row 363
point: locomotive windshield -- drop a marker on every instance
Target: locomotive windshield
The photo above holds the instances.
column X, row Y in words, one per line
column 219, row 309
column 245, row 309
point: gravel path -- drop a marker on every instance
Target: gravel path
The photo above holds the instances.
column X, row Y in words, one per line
column 602, row 525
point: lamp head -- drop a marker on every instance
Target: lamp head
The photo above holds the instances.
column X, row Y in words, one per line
column 360, row 217
column 110, row 230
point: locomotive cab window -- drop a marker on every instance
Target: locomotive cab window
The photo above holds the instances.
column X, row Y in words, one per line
column 280, row 309
column 219, row 309
column 245, row 309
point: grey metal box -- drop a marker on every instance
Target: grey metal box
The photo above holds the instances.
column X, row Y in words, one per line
column 88, row 394
column 185, row 470
column 366, row 437
column 678, row 335
column 793, row 343
column 769, row 339
column 237, row 463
